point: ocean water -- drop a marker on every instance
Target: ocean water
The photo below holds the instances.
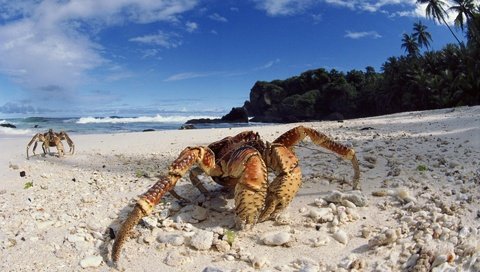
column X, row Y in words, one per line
column 100, row 125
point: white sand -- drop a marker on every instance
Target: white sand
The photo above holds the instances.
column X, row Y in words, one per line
column 63, row 220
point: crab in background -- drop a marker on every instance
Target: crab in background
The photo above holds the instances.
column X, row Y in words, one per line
column 241, row 164
column 50, row 139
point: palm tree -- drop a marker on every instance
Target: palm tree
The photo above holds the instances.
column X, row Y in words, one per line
column 421, row 34
column 436, row 12
column 465, row 13
column 410, row 45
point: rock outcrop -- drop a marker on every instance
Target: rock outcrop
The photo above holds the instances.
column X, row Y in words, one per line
column 236, row 115
column 7, row 125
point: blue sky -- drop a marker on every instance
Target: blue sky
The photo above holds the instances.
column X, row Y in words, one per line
column 143, row 57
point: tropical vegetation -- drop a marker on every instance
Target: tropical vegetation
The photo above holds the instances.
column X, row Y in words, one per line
column 421, row 79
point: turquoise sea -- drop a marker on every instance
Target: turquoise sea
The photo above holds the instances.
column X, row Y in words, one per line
column 100, row 125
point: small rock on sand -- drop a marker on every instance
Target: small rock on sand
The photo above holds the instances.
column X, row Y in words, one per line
column 91, row 261
column 275, row 238
column 202, row 240
column 341, row 236
column 172, row 239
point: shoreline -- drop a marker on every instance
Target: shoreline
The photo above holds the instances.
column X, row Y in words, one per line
column 63, row 220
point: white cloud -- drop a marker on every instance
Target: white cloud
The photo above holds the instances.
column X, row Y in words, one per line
column 191, row 26
column 37, row 58
column 351, row 4
column 391, row 8
column 283, row 7
column 402, row 8
column 190, row 75
column 362, row 34
column 218, row 17
column 419, row 11
column 161, row 39
column 51, row 45
column 267, row 65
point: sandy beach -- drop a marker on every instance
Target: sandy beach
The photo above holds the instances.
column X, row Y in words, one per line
column 418, row 209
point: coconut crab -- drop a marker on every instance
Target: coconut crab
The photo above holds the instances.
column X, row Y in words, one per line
column 240, row 163
column 49, row 139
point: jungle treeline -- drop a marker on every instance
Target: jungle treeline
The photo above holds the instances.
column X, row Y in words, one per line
column 421, row 79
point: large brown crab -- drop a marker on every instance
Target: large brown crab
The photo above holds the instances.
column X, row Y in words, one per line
column 240, row 163
column 50, row 139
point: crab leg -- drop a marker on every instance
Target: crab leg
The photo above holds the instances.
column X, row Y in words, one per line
column 297, row 134
column 202, row 156
column 247, row 165
column 285, row 186
column 194, row 173
column 37, row 137
column 59, row 146
column 69, row 142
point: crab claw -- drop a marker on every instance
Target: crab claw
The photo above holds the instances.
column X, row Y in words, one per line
column 202, row 156
column 124, row 232
column 144, row 206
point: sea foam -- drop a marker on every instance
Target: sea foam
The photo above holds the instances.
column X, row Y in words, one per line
column 5, row 131
column 140, row 119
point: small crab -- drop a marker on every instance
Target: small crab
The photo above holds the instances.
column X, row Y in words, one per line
column 240, row 163
column 50, row 139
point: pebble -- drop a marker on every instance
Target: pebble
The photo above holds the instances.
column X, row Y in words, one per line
column 171, row 239
column 321, row 215
column 258, row 262
column 222, row 246
column 185, row 217
column 463, row 232
column 91, row 261
column 320, row 202
column 202, row 240
column 405, row 196
column 304, row 265
column 199, row 213
column 356, row 197
column 150, row 222
column 388, row 236
column 341, row 236
column 439, row 260
column 366, row 231
column 275, row 238
column 74, row 238
column 347, row 262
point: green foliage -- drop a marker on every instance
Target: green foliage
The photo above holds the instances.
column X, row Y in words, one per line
column 230, row 236
column 140, row 173
column 28, row 185
column 300, row 106
column 448, row 77
column 421, row 168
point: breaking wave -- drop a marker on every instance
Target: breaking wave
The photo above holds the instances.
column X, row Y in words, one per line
column 5, row 131
column 140, row 119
